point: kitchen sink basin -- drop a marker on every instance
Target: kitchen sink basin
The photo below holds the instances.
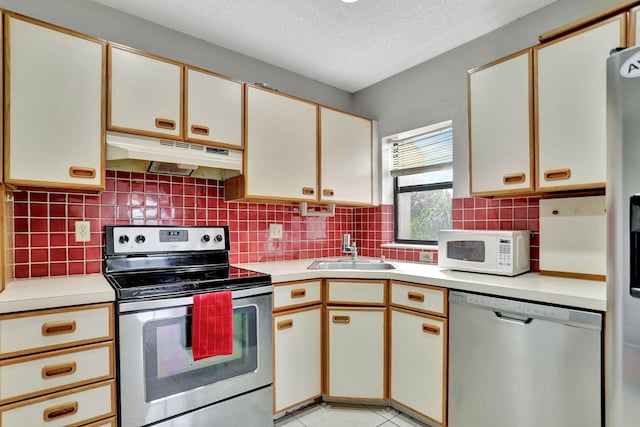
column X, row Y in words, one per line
column 349, row 264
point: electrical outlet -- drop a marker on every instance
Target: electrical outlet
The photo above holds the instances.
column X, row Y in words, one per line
column 83, row 231
column 426, row 256
column 275, row 231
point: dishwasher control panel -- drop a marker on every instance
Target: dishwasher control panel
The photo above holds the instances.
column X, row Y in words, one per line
column 511, row 306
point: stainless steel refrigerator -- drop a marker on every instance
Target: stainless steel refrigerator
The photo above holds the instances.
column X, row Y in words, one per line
column 622, row 342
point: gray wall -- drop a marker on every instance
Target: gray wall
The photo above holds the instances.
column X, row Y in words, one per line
column 436, row 90
column 109, row 24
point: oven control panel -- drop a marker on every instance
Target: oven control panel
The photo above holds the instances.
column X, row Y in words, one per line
column 150, row 239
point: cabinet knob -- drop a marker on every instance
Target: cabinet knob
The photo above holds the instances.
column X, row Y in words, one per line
column 514, row 178
column 557, row 174
column 285, row 324
column 430, row 329
column 415, row 296
column 82, row 172
column 58, row 370
column 199, row 130
column 341, row 319
column 165, row 124
column 298, row 293
column 58, row 328
column 60, row 411
column 328, row 193
column 308, row 191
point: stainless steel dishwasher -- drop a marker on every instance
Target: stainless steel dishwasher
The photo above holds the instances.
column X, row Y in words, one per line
column 519, row 364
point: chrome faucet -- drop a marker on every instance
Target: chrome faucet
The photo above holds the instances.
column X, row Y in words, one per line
column 349, row 247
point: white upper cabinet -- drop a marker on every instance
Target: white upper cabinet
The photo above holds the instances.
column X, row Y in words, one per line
column 345, row 158
column 571, row 106
column 213, row 109
column 54, row 106
column 500, row 126
column 634, row 27
column 281, row 147
column 145, row 94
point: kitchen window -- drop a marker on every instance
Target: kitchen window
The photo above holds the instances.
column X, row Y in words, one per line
column 422, row 171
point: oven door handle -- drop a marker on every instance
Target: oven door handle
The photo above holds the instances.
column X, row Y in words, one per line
column 154, row 304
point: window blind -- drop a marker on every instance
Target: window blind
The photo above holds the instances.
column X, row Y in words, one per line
column 427, row 151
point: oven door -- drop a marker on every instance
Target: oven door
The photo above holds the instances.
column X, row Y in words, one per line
column 158, row 377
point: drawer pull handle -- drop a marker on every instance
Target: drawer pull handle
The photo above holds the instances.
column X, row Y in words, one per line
column 308, row 191
column 341, row 319
column 514, row 178
column 58, row 328
column 430, row 329
column 328, row 193
column 298, row 293
column 55, row 412
column 285, row 324
column 59, row 370
column 165, row 124
column 81, row 172
column 557, row 174
column 415, row 296
column 199, row 130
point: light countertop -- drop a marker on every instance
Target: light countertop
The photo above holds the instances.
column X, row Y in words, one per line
column 49, row 292
column 589, row 294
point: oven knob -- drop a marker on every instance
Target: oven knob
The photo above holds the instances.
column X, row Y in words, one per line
column 206, row 238
column 219, row 238
column 140, row 238
column 123, row 239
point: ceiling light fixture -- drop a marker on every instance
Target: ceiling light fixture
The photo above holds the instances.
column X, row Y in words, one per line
column 349, row 1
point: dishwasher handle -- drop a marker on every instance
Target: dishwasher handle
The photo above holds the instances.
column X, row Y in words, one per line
column 513, row 319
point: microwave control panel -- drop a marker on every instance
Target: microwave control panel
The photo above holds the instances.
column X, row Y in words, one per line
column 505, row 258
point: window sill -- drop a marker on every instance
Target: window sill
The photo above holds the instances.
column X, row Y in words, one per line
column 409, row 246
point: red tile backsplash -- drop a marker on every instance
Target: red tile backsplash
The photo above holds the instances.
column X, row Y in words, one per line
column 44, row 223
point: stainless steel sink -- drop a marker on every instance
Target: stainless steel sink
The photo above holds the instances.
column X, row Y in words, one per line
column 348, row 264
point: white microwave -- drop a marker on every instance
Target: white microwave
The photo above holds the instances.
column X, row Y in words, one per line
column 484, row 251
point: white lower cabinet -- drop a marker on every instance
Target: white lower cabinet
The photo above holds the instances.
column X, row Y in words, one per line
column 356, row 353
column 297, row 361
column 418, row 363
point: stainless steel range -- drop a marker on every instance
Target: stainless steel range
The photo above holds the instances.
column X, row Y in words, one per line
column 155, row 271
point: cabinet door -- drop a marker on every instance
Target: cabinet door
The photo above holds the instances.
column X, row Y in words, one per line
column 356, row 353
column 54, row 107
column 145, row 94
column 213, row 109
column 634, row 27
column 418, row 363
column 280, row 151
column 500, row 126
column 297, row 350
column 345, row 162
column 571, row 107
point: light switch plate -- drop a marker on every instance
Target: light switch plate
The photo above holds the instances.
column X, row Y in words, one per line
column 275, row 231
column 83, row 231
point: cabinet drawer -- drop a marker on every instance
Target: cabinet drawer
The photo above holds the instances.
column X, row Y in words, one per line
column 296, row 293
column 44, row 373
column 356, row 291
column 109, row 422
column 75, row 407
column 29, row 332
column 423, row 298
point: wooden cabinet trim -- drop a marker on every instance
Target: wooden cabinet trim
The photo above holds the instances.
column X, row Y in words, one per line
column 26, row 314
column 23, row 183
column 110, row 383
column 55, row 353
column 445, row 360
column 532, row 135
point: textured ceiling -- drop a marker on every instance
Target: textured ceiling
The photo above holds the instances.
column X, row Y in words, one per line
column 349, row 46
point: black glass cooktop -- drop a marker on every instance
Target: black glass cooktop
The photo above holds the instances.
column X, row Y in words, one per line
column 183, row 281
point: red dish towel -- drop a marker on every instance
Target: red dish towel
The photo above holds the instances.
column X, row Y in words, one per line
column 212, row 325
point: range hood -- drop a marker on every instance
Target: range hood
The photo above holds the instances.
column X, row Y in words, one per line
column 144, row 154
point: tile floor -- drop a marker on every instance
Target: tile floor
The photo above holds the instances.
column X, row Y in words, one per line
column 341, row 415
